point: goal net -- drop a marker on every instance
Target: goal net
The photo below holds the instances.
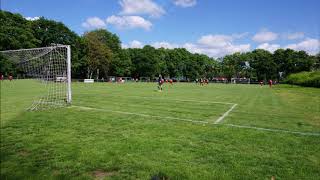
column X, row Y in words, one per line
column 47, row 70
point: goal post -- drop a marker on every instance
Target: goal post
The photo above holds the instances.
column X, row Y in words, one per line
column 69, row 95
column 47, row 70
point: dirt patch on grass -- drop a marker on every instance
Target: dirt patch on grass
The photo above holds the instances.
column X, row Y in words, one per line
column 55, row 172
column 24, row 153
column 100, row 174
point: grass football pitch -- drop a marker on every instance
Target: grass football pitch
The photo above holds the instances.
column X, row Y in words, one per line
column 132, row 131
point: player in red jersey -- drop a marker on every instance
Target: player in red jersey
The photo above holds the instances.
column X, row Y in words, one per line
column 270, row 83
column 201, row 82
column 261, row 83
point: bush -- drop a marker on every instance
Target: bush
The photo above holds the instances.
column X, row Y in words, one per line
column 310, row 79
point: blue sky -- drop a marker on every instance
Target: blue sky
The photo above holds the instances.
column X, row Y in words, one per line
column 215, row 28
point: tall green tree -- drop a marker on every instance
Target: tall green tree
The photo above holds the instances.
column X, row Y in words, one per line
column 98, row 56
column 121, row 65
column 229, row 66
column 111, row 40
column 303, row 62
column 15, row 32
column 145, row 62
column 316, row 65
column 263, row 63
column 119, row 61
column 290, row 61
column 50, row 32
column 177, row 62
column 163, row 56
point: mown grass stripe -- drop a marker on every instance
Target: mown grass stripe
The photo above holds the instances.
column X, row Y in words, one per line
column 273, row 130
column 140, row 114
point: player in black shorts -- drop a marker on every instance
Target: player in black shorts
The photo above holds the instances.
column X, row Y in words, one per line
column 160, row 82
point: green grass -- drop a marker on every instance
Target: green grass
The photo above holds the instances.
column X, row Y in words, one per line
column 101, row 143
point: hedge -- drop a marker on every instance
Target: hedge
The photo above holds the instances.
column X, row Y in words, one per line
column 310, row 79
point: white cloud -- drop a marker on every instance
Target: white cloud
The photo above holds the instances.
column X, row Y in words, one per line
column 220, row 52
column 269, row 47
column 296, row 35
column 139, row 7
column 216, row 52
column 129, row 22
column 32, row 18
column 215, row 41
column 311, row 46
column 133, row 44
column 265, row 36
column 164, row 44
column 217, row 45
column 185, row 3
column 193, row 48
column 93, row 23
column 236, row 48
column 211, row 45
column 220, row 40
column 124, row 46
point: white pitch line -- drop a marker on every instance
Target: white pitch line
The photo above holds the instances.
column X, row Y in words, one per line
column 203, row 122
column 225, row 114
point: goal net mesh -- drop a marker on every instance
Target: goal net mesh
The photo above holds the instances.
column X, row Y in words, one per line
column 46, row 69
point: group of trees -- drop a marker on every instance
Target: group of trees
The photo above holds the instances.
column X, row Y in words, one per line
column 98, row 54
column 261, row 64
column 178, row 63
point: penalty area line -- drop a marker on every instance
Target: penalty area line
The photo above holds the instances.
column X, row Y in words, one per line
column 225, row 114
column 201, row 122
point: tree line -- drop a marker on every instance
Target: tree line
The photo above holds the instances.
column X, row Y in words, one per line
column 98, row 54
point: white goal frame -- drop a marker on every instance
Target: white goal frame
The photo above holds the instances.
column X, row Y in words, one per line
column 69, row 95
column 49, row 65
